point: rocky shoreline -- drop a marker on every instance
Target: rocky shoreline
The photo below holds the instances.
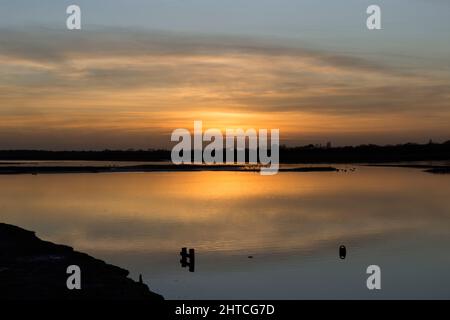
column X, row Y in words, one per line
column 7, row 170
column 33, row 269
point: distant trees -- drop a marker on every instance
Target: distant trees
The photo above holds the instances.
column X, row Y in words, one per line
column 302, row 154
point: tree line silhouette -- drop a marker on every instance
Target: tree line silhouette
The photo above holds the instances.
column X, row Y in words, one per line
column 302, row 154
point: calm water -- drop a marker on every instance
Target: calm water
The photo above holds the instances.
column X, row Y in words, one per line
column 292, row 224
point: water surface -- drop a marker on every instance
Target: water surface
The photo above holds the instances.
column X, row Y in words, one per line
column 292, row 224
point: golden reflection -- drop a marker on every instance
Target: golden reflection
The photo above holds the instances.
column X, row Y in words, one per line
column 223, row 211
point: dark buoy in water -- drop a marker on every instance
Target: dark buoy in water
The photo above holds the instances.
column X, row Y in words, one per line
column 342, row 252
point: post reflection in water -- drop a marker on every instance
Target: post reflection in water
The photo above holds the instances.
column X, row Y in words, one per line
column 188, row 259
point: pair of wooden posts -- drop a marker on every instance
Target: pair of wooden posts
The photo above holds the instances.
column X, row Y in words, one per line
column 188, row 259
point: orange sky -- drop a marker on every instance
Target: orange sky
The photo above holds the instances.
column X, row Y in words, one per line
column 102, row 90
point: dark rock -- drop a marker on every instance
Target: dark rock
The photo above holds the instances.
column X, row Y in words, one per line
column 439, row 170
column 33, row 269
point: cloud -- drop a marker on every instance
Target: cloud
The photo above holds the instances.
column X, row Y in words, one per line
column 51, row 46
column 92, row 80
